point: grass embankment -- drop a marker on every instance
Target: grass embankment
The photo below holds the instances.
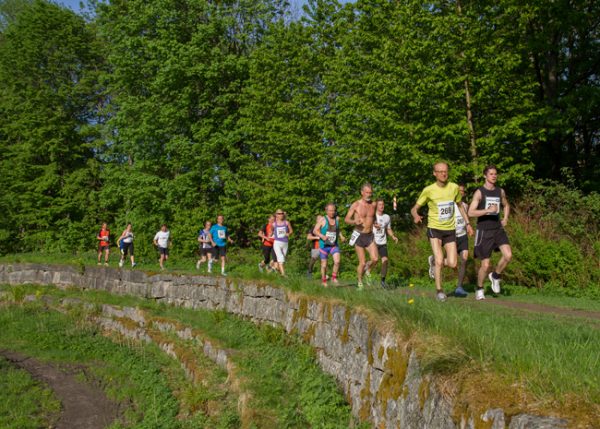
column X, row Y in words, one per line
column 548, row 361
column 24, row 402
column 286, row 385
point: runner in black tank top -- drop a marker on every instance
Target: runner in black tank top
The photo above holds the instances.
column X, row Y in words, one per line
column 490, row 236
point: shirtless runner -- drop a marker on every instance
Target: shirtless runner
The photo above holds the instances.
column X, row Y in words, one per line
column 362, row 216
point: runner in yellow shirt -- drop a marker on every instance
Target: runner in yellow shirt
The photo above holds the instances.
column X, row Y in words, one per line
column 440, row 198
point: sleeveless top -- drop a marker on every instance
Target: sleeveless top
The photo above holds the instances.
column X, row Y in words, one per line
column 281, row 230
column 489, row 197
column 204, row 235
column 331, row 232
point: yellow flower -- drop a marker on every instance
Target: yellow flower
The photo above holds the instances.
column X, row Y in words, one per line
column 411, row 285
column 411, row 301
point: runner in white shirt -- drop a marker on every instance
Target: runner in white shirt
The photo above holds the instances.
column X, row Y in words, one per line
column 381, row 229
column 161, row 241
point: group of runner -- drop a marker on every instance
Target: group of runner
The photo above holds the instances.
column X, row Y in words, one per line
column 212, row 241
column 448, row 226
column 448, row 229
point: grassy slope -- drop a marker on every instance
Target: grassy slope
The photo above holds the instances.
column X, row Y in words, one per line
column 552, row 362
column 281, row 373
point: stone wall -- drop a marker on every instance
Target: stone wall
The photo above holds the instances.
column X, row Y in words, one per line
column 379, row 375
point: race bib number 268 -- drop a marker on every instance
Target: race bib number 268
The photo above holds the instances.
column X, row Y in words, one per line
column 445, row 210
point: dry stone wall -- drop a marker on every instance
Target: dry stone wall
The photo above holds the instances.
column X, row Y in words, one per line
column 379, row 375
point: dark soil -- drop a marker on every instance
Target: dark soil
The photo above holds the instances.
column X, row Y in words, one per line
column 84, row 406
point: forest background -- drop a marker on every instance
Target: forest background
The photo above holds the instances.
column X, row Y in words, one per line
column 176, row 110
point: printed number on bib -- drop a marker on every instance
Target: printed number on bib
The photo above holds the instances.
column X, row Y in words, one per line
column 446, row 210
column 354, row 237
column 489, row 201
column 330, row 237
column 281, row 231
column 221, row 234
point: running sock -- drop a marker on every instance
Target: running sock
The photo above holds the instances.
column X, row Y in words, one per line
column 334, row 276
column 495, row 275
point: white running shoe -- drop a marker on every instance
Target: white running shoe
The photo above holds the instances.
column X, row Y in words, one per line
column 121, row 264
column 198, row 265
column 431, row 261
column 479, row 294
column 440, row 296
column 495, row 283
column 260, row 267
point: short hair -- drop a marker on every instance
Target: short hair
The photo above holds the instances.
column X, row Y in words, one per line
column 164, row 224
column 488, row 168
column 330, row 204
column 366, row 185
column 379, row 199
column 441, row 162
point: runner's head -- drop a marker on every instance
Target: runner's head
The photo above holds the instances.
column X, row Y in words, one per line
column 279, row 214
column 462, row 189
column 366, row 191
column 271, row 218
column 163, row 227
column 490, row 173
column 440, row 171
column 330, row 210
column 129, row 226
column 380, row 205
column 104, row 225
column 207, row 224
column 220, row 219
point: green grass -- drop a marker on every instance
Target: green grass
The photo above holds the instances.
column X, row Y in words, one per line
column 281, row 372
column 139, row 376
column 24, row 402
column 554, row 358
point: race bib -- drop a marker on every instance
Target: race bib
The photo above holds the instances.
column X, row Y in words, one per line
column 330, row 237
column 281, row 231
column 489, row 201
column 445, row 210
column 353, row 238
column 221, row 234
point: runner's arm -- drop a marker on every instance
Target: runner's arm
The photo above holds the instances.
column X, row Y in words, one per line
column 473, row 212
column 350, row 215
column 290, row 229
column 316, row 231
column 464, row 214
column 391, row 234
column 415, row 213
column 506, row 208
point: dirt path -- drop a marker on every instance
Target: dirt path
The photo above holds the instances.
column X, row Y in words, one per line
column 592, row 316
column 84, row 406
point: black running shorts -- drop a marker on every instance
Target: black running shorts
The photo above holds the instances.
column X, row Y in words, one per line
column 219, row 251
column 489, row 240
column 365, row 239
column 440, row 234
column 462, row 243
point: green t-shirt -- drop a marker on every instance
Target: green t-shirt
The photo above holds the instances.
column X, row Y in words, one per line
column 440, row 202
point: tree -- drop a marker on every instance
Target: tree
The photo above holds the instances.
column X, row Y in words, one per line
column 48, row 99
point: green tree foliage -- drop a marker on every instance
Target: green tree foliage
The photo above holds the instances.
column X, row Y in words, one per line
column 172, row 144
column 48, row 65
column 562, row 44
column 176, row 110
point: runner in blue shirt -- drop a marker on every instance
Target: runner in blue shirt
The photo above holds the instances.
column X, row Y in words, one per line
column 220, row 237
